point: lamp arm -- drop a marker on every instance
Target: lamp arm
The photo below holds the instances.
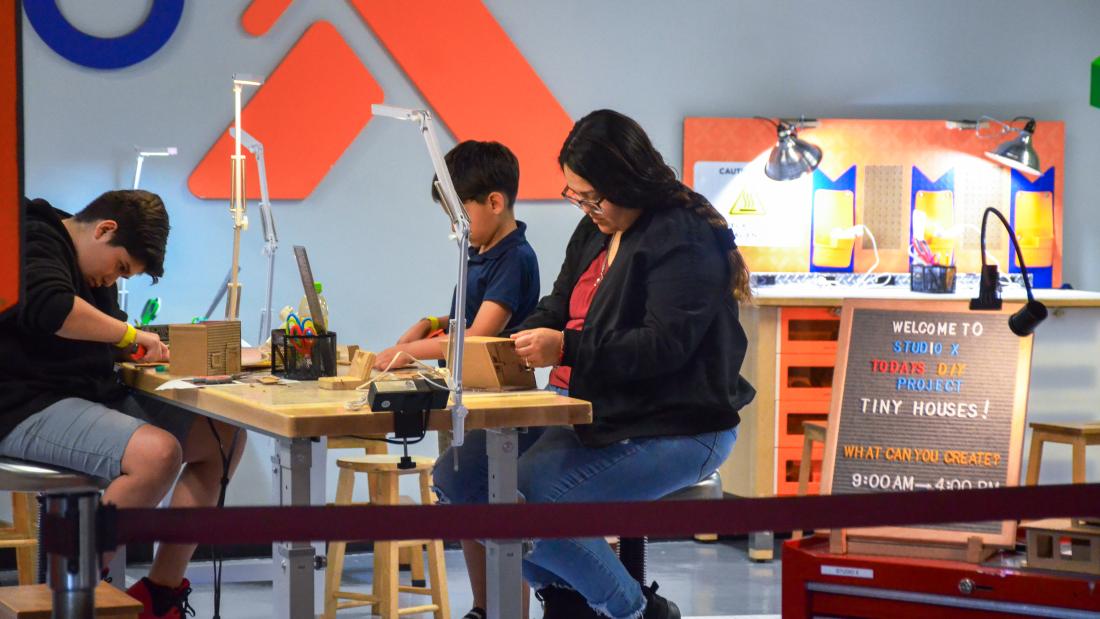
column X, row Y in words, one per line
column 271, row 235
column 461, row 222
column 768, row 120
column 1015, row 243
column 137, row 170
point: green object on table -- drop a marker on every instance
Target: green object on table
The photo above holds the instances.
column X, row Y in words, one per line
column 149, row 311
column 1094, row 88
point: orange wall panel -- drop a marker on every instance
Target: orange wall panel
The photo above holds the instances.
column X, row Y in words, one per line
column 477, row 81
column 11, row 160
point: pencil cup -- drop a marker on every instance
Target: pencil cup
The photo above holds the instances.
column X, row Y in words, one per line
column 931, row 278
column 303, row 357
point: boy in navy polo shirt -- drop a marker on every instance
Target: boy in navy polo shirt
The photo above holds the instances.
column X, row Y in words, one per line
column 502, row 286
column 502, row 282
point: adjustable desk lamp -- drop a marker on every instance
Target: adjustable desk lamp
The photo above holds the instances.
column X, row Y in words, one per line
column 170, row 151
column 271, row 236
column 237, row 201
column 460, row 223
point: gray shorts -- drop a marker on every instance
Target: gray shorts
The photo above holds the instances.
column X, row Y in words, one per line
column 90, row 437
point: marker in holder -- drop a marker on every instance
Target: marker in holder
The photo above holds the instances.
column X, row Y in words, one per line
column 303, row 357
column 932, row 278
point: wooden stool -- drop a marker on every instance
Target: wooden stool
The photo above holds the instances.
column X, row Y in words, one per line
column 22, row 535
column 406, row 556
column 35, row 602
column 811, row 431
column 383, row 471
column 1079, row 435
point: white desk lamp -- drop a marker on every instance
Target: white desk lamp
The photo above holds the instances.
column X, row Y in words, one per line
column 460, row 223
column 237, row 201
column 271, row 235
column 170, row 151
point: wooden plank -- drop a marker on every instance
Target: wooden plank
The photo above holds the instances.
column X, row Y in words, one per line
column 35, row 601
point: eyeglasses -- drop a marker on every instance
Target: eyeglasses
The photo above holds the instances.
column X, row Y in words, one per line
column 586, row 206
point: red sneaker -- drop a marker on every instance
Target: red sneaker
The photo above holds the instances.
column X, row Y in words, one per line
column 160, row 601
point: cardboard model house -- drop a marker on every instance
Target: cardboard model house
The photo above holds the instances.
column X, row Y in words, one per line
column 492, row 363
column 206, row 349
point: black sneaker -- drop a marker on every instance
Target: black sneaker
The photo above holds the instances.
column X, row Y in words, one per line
column 562, row 603
column 657, row 607
column 476, row 613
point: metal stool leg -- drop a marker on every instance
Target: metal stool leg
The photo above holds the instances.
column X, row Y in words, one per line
column 632, row 554
column 73, row 580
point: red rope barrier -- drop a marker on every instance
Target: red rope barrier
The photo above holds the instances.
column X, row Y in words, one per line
column 253, row 525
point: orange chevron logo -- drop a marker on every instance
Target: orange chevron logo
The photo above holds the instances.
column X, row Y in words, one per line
column 317, row 101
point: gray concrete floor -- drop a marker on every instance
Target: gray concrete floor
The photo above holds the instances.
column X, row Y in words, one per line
column 705, row 580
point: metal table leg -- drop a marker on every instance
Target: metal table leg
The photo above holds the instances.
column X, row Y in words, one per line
column 503, row 557
column 293, row 573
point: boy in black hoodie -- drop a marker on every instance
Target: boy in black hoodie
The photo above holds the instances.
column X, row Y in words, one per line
column 61, row 402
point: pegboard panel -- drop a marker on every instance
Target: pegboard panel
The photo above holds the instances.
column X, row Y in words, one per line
column 976, row 188
column 885, row 201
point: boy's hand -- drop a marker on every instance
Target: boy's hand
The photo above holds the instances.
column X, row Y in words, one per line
column 383, row 359
column 416, row 332
column 539, row 347
column 155, row 350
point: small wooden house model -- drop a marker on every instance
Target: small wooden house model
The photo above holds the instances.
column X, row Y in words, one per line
column 205, row 349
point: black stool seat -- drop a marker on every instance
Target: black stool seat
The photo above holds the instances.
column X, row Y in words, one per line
column 632, row 550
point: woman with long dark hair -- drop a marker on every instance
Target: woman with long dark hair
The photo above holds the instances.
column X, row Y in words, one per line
column 643, row 323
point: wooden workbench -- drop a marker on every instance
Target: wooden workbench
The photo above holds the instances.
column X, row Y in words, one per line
column 300, row 416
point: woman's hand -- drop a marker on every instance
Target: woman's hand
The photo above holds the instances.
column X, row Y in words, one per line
column 155, row 350
column 539, row 347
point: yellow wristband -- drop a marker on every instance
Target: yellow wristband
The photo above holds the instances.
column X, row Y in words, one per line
column 128, row 339
column 433, row 323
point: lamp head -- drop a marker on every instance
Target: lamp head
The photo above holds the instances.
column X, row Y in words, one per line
column 1023, row 322
column 169, row 151
column 791, row 157
column 245, row 79
column 1018, row 153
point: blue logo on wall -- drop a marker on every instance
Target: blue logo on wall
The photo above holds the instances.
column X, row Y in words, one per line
column 97, row 52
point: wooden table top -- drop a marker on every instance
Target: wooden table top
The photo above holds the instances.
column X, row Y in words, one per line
column 303, row 409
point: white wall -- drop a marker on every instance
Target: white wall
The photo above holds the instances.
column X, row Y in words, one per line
column 374, row 239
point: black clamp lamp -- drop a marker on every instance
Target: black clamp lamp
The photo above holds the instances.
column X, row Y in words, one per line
column 1023, row 322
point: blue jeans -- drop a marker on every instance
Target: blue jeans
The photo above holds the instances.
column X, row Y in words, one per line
column 557, row 468
column 470, row 483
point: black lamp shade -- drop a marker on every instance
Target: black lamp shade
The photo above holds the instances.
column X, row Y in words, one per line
column 1023, row 322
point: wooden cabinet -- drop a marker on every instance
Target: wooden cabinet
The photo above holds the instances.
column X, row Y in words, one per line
column 792, row 355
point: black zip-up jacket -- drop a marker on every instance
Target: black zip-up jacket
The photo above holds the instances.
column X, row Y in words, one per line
column 661, row 349
column 37, row 367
